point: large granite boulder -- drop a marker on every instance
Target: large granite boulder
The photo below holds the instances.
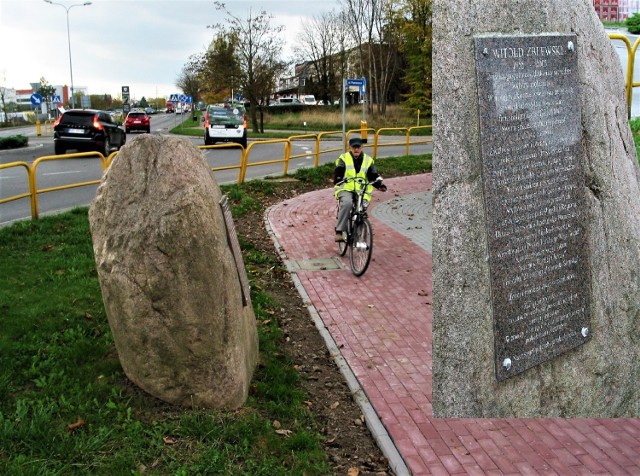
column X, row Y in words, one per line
column 168, row 276
column 600, row 377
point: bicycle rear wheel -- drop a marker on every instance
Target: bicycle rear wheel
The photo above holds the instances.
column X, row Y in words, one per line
column 361, row 246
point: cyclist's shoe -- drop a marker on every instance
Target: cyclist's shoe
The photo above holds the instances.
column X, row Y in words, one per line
column 341, row 236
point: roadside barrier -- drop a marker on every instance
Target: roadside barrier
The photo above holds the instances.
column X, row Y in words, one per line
column 631, row 56
column 242, row 166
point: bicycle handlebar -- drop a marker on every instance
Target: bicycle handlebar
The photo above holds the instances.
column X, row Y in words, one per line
column 359, row 180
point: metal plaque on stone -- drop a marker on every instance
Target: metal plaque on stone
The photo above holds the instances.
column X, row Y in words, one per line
column 530, row 129
column 232, row 238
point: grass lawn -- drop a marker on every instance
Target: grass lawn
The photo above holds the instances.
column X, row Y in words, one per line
column 66, row 406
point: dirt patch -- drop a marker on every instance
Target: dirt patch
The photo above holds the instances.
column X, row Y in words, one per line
column 349, row 444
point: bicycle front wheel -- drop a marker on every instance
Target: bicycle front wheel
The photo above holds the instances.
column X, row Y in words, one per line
column 361, row 246
column 342, row 248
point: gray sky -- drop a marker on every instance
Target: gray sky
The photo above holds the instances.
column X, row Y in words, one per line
column 142, row 44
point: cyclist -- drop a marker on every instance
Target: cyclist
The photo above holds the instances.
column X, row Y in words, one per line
column 351, row 164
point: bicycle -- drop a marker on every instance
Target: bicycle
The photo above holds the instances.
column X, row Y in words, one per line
column 359, row 240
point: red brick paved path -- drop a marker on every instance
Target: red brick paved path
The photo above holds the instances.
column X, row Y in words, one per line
column 382, row 324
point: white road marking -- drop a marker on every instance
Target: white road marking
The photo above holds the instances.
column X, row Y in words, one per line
column 63, row 173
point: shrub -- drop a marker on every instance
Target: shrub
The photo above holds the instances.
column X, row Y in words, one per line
column 633, row 23
column 13, row 142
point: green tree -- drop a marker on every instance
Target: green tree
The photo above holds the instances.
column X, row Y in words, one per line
column 46, row 91
column 415, row 24
column 220, row 72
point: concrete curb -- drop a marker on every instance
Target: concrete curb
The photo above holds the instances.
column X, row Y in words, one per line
column 377, row 429
column 29, row 147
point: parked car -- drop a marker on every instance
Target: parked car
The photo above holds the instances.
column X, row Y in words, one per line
column 225, row 124
column 137, row 121
column 87, row 130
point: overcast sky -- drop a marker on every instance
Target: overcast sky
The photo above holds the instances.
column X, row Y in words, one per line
column 142, row 44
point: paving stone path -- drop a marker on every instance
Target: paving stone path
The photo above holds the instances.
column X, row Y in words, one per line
column 378, row 327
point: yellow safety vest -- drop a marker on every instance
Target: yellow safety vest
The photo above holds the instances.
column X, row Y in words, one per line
column 350, row 172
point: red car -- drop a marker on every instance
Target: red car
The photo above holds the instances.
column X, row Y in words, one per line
column 137, row 121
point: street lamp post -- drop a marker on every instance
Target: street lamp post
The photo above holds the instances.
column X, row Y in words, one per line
column 73, row 101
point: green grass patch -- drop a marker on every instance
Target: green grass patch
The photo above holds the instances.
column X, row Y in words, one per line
column 634, row 124
column 58, row 364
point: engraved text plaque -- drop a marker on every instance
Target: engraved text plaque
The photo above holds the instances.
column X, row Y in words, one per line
column 533, row 189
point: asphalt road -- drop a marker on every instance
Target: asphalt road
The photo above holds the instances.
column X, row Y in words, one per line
column 49, row 174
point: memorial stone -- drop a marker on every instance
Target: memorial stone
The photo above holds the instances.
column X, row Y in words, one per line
column 175, row 295
column 536, row 215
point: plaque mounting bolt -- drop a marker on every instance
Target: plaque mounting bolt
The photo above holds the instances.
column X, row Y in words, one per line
column 485, row 51
column 570, row 46
column 506, row 363
column 584, row 331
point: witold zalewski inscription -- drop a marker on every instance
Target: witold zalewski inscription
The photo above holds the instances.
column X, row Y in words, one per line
column 533, row 190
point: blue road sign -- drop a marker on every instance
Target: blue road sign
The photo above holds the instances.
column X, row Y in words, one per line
column 36, row 99
column 174, row 98
column 360, row 82
column 56, row 99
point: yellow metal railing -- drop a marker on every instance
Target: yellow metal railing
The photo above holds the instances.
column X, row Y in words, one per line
column 242, row 166
column 631, row 56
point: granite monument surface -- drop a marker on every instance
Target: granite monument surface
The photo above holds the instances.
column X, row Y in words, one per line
column 536, row 224
column 172, row 287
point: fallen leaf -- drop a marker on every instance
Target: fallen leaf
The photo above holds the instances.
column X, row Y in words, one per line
column 308, row 403
column 353, row 472
column 276, row 424
column 47, row 248
column 74, row 426
column 168, row 441
column 284, row 432
column 423, row 293
column 334, row 405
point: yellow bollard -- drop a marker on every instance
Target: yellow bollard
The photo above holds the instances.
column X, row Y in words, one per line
column 38, row 130
column 363, row 131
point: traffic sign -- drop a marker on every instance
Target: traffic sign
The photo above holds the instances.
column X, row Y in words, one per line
column 36, row 99
column 56, row 99
column 360, row 82
column 174, row 98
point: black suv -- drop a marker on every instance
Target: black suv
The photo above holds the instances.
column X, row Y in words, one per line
column 87, row 130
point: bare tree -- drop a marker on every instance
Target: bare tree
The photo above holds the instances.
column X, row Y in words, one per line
column 188, row 81
column 257, row 53
column 3, row 92
column 323, row 44
column 372, row 30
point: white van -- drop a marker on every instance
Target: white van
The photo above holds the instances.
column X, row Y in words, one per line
column 309, row 100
